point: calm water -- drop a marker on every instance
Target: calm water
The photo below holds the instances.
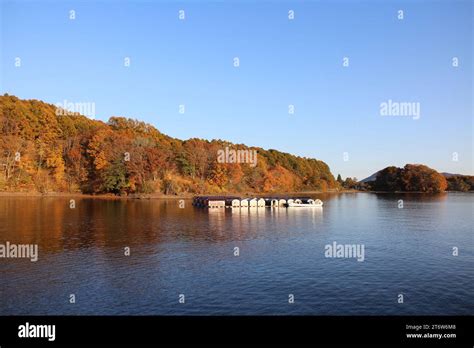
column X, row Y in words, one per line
column 190, row 251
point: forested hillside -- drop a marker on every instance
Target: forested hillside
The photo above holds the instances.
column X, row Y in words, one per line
column 43, row 151
column 411, row 178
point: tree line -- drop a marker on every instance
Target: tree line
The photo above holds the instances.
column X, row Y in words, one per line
column 411, row 178
column 44, row 150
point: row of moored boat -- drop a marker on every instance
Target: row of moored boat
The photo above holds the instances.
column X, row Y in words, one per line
column 238, row 202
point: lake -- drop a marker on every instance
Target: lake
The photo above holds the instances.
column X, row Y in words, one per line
column 266, row 261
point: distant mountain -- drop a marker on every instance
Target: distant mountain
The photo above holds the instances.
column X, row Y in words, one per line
column 370, row 178
column 449, row 175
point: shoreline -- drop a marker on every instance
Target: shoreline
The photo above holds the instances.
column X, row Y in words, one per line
column 86, row 195
column 161, row 195
column 189, row 196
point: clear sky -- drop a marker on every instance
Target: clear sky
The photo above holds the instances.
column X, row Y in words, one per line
column 282, row 62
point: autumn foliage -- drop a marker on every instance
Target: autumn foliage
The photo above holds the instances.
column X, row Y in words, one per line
column 461, row 183
column 411, row 178
column 45, row 152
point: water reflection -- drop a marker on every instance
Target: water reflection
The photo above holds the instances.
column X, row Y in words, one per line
column 51, row 223
column 415, row 197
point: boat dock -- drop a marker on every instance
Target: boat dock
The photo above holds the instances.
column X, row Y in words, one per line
column 255, row 202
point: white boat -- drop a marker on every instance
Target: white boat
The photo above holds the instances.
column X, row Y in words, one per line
column 310, row 204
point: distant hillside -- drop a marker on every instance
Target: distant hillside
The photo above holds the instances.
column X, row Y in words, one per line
column 411, row 178
column 424, row 180
column 370, row 178
column 459, row 182
column 374, row 176
column 416, row 178
column 42, row 150
column 449, row 175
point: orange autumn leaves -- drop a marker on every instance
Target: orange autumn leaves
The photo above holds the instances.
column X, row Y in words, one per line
column 76, row 154
column 411, row 178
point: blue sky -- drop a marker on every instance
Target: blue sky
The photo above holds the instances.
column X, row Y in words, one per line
column 282, row 62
